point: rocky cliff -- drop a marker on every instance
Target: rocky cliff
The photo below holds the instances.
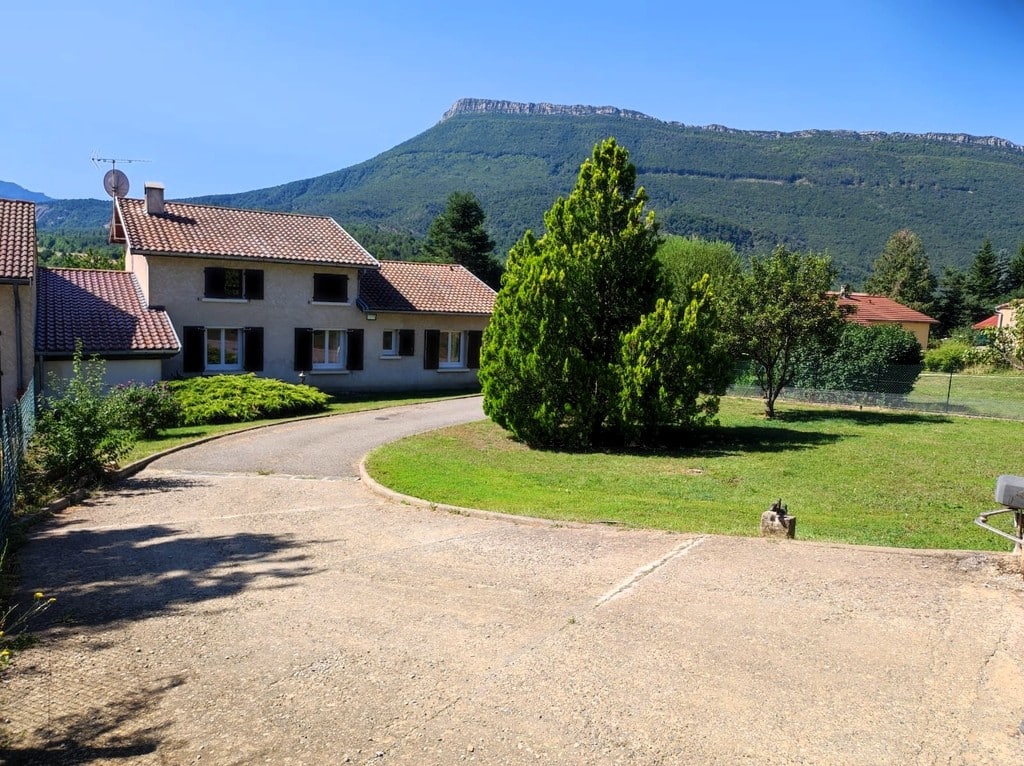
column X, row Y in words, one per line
column 491, row 106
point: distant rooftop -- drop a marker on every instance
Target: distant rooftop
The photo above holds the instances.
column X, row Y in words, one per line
column 872, row 309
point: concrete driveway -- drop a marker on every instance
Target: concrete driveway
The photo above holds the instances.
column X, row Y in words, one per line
column 250, row 601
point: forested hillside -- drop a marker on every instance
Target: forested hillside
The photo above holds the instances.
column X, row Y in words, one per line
column 838, row 191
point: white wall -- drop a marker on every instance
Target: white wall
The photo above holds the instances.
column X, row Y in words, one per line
column 116, row 372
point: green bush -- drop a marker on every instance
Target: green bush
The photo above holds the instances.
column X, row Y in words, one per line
column 882, row 358
column 241, row 398
column 951, row 356
column 81, row 428
column 146, row 410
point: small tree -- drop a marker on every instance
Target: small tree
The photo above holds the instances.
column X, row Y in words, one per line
column 686, row 259
column 902, row 272
column 457, row 236
column 81, row 429
column 780, row 308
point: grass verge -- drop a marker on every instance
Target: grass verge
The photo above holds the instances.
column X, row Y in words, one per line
column 864, row 477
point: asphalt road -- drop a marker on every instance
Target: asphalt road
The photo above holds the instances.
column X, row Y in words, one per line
column 251, row 601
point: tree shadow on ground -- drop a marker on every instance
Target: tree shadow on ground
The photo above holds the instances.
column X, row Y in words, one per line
column 860, row 417
column 145, row 485
column 108, row 575
column 98, row 733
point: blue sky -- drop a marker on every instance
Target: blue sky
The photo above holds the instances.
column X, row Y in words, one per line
column 230, row 96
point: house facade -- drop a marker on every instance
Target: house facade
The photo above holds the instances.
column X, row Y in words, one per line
column 17, row 297
column 866, row 309
column 295, row 297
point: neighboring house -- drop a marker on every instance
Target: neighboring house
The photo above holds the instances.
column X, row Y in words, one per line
column 867, row 309
column 1005, row 316
column 106, row 312
column 17, row 297
column 282, row 295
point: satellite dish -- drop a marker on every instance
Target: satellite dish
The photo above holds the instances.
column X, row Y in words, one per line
column 115, row 183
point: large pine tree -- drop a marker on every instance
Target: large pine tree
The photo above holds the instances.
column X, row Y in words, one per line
column 457, row 235
column 547, row 364
column 902, row 272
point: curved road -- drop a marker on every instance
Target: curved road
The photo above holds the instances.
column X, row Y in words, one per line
column 250, row 601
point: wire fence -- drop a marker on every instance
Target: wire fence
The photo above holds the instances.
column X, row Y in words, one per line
column 997, row 395
column 17, row 424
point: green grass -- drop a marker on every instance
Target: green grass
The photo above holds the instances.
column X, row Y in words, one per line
column 175, row 437
column 878, row 478
column 993, row 394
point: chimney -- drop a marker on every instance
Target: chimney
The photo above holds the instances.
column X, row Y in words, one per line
column 154, row 198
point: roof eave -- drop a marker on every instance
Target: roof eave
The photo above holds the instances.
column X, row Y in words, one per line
column 254, row 259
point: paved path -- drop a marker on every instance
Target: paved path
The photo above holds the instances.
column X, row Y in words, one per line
column 250, row 601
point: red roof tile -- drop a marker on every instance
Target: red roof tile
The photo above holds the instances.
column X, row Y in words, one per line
column 17, row 240
column 221, row 232
column 872, row 309
column 435, row 288
column 991, row 323
column 103, row 309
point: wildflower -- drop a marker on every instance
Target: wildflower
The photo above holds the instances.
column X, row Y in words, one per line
column 39, row 594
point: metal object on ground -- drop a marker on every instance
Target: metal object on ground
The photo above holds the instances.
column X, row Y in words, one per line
column 1010, row 494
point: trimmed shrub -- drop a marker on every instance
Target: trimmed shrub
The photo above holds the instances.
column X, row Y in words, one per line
column 241, row 398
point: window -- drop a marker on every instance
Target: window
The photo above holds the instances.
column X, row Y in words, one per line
column 328, row 350
column 330, row 288
column 398, row 343
column 222, row 349
column 232, row 284
column 451, row 349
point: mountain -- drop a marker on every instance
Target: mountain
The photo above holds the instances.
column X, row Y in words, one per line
column 10, row 190
column 840, row 191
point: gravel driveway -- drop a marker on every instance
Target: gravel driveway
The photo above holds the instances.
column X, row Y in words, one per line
column 251, row 601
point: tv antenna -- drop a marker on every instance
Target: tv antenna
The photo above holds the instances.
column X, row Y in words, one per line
column 115, row 182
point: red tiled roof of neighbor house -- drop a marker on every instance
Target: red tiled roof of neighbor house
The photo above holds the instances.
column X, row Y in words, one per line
column 17, row 240
column 989, row 323
column 437, row 288
column 104, row 309
column 872, row 309
column 219, row 232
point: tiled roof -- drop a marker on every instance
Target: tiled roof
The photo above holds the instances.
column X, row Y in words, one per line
column 437, row 288
column 221, row 232
column 17, row 240
column 104, row 309
column 871, row 309
column 990, row 323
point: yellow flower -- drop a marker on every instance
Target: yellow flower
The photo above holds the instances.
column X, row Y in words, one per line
column 39, row 594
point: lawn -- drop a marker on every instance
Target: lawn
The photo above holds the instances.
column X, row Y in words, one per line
column 866, row 477
column 998, row 394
